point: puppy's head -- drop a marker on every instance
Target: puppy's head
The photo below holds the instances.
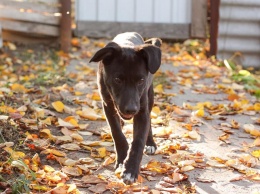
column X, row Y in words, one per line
column 126, row 73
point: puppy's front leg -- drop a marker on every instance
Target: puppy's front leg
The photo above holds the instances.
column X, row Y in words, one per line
column 133, row 160
column 121, row 144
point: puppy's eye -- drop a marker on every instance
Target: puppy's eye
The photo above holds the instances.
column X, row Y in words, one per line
column 141, row 81
column 118, row 80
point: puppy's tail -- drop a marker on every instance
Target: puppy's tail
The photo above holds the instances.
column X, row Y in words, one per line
column 154, row 41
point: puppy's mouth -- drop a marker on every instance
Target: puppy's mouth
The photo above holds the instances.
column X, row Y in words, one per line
column 125, row 116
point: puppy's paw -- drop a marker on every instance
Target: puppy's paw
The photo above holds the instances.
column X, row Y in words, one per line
column 150, row 150
column 129, row 178
column 118, row 165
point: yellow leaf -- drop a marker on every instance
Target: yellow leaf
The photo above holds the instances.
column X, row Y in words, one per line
column 155, row 112
column 77, row 137
column 224, row 137
column 256, row 153
column 244, row 72
column 88, row 113
column 18, row 88
column 45, row 133
column 199, row 113
column 156, row 166
column 257, row 106
column 39, row 187
column 235, row 124
column 250, row 128
column 58, row 106
column 159, row 89
column 95, row 96
column 6, row 109
column 99, row 153
column 188, row 126
column 63, row 123
column 47, row 121
column 15, row 155
column 72, row 120
column 55, row 152
column 71, row 188
column 257, row 142
column 48, row 168
column 106, row 136
column 100, row 44
column 78, row 93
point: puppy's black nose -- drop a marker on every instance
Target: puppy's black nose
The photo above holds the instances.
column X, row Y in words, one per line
column 131, row 110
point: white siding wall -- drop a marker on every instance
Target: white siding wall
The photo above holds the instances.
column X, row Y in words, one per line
column 149, row 11
column 239, row 30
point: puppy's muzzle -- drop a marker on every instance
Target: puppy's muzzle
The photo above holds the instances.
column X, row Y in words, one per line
column 128, row 111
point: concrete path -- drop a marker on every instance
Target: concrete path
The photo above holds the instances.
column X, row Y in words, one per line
column 218, row 138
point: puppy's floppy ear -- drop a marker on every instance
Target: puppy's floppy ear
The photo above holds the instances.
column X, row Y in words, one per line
column 154, row 41
column 109, row 50
column 152, row 55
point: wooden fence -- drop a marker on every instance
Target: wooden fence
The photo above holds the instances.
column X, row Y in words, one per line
column 40, row 17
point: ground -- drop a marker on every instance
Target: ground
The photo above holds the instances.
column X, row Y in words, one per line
column 54, row 137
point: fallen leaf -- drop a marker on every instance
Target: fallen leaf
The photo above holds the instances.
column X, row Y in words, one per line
column 99, row 152
column 58, row 106
column 63, row 123
column 71, row 146
column 99, row 188
column 159, row 89
column 257, row 142
column 257, row 106
column 224, row 137
column 256, row 153
column 204, row 180
column 192, row 135
column 72, row 171
column 88, row 113
column 92, row 179
column 77, row 137
column 53, row 151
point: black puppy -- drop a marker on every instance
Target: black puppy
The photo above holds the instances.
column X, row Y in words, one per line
column 125, row 83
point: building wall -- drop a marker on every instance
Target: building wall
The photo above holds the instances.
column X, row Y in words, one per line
column 149, row 11
column 239, row 31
